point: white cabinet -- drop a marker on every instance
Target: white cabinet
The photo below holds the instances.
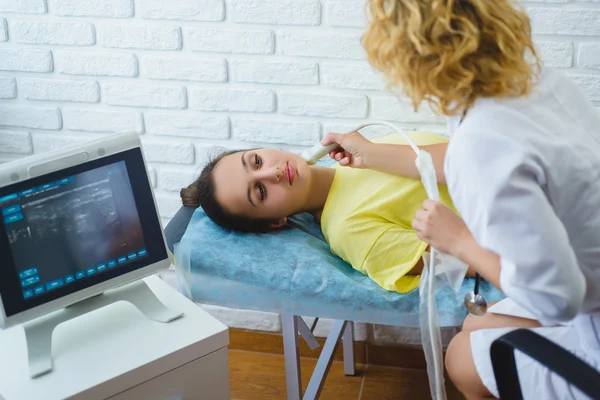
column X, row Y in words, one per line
column 117, row 353
column 206, row 378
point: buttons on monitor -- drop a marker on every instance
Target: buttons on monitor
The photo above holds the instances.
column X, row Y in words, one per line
column 32, row 286
column 54, row 284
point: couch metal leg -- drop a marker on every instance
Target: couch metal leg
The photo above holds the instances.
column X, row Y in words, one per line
column 292, row 356
column 348, row 342
column 307, row 334
column 324, row 363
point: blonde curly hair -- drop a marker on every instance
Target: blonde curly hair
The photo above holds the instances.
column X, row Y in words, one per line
column 451, row 52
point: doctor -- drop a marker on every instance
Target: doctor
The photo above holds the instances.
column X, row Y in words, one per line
column 522, row 167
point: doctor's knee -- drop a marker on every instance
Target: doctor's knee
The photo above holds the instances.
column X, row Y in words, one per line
column 461, row 367
column 459, row 350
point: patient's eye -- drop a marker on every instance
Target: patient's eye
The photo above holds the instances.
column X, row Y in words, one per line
column 262, row 191
column 256, row 161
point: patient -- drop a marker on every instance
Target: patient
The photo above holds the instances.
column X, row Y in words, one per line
column 256, row 190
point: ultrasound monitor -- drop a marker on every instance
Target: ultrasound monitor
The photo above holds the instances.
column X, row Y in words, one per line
column 73, row 224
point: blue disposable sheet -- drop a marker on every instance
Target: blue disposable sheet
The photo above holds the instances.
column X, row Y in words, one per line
column 293, row 271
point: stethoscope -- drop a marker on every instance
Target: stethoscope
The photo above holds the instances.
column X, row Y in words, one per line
column 475, row 302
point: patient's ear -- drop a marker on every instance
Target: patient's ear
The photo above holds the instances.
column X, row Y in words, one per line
column 278, row 224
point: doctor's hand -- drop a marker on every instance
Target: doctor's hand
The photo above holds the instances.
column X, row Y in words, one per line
column 442, row 229
column 352, row 151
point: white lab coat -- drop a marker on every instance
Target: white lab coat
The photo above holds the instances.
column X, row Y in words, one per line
column 525, row 175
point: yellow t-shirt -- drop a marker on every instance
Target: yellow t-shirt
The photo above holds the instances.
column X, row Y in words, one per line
column 367, row 219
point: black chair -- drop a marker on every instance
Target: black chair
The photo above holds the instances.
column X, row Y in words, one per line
column 547, row 353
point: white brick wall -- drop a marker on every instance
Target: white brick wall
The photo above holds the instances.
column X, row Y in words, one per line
column 40, row 32
column 15, row 142
column 241, row 40
column 590, row 85
column 43, row 142
column 277, row 72
column 27, row 60
column 184, row 68
column 187, row 10
column 271, row 131
column 313, row 44
column 60, row 90
column 97, row 8
column 91, row 120
column 589, row 55
column 8, row 87
column 169, row 151
column 188, row 124
column 3, row 30
column 133, row 35
column 565, row 21
column 281, row 12
column 556, row 54
column 217, row 99
column 28, row 116
column 350, row 76
column 23, row 6
column 346, row 13
column 189, row 75
column 144, row 95
column 96, row 63
column 323, row 105
column 173, row 179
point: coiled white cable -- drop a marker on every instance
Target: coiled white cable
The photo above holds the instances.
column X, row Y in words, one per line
column 426, row 168
column 430, row 330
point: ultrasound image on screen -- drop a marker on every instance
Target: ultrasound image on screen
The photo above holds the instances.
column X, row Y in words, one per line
column 74, row 228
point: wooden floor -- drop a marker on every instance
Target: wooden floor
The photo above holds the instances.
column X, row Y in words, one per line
column 261, row 376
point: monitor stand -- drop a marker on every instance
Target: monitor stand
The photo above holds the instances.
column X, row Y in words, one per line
column 38, row 333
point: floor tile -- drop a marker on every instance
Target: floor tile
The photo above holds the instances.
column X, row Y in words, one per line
column 263, row 342
column 262, row 377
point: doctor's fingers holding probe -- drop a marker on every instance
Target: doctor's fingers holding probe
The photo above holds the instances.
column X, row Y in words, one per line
column 522, row 169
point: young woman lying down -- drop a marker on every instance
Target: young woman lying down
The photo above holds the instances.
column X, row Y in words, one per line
column 365, row 215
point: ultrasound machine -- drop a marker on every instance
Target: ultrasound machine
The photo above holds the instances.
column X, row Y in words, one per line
column 79, row 228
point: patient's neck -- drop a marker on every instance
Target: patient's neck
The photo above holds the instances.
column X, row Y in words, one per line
column 321, row 180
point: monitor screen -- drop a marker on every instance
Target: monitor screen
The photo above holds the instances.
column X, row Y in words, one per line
column 72, row 229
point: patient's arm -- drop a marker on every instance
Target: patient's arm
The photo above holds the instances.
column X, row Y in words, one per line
column 393, row 260
column 398, row 159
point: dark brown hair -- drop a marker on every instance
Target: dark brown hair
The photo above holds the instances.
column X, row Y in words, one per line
column 202, row 193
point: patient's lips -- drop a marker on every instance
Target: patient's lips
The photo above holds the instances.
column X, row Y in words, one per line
column 290, row 174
